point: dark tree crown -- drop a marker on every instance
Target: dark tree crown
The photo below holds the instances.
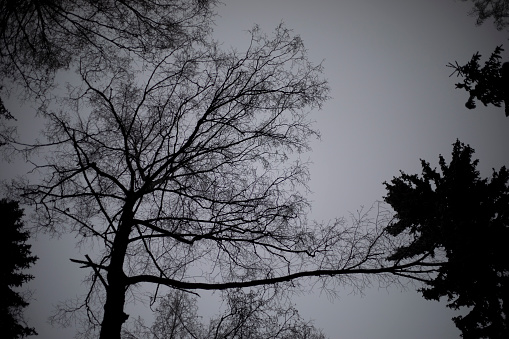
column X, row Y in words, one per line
column 459, row 215
column 488, row 84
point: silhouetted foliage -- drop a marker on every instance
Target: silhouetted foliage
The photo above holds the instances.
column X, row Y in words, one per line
column 40, row 37
column 6, row 132
column 248, row 315
column 489, row 84
column 4, row 113
column 455, row 214
column 496, row 9
column 17, row 257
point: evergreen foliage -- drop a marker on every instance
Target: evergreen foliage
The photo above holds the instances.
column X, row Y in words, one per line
column 14, row 246
column 459, row 215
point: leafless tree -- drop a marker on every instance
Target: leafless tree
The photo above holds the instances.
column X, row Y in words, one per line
column 183, row 171
column 254, row 315
column 176, row 317
column 248, row 315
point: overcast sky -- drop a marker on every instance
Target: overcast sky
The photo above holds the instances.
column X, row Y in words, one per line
column 392, row 104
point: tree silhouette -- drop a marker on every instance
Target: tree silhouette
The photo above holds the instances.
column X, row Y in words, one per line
column 13, row 244
column 250, row 315
column 178, row 173
column 489, row 84
column 180, row 167
column 456, row 215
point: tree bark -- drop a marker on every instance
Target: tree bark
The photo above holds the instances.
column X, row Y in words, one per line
column 114, row 315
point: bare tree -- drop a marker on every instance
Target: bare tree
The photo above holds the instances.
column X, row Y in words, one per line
column 247, row 315
column 255, row 315
column 183, row 171
column 176, row 317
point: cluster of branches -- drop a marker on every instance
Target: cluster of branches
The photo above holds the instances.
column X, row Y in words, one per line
column 250, row 314
column 40, row 37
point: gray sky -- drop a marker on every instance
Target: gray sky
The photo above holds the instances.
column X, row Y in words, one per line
column 392, row 103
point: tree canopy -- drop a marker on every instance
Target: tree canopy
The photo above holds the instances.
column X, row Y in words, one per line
column 18, row 258
column 38, row 38
column 455, row 214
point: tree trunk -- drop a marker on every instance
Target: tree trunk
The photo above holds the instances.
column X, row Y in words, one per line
column 114, row 315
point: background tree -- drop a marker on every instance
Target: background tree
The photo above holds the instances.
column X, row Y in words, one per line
column 252, row 315
column 459, row 216
column 496, row 9
column 489, row 84
column 40, row 37
column 177, row 317
column 17, row 258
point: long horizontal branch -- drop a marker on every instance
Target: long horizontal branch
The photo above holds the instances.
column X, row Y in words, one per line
column 396, row 270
